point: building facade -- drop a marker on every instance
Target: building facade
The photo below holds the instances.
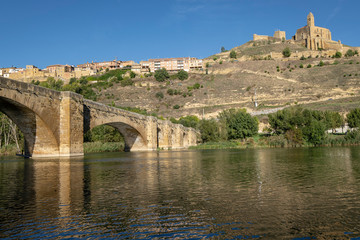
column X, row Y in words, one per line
column 171, row 64
column 315, row 38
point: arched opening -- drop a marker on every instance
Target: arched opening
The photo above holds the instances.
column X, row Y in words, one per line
column 39, row 139
column 130, row 138
column 103, row 138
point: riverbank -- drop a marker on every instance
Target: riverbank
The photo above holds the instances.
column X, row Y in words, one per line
column 8, row 150
column 267, row 141
column 89, row 147
column 94, row 147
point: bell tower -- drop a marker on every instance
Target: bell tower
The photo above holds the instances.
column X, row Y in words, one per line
column 310, row 20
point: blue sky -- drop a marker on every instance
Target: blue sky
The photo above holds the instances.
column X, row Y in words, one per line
column 46, row 32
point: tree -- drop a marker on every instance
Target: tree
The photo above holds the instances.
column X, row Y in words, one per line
column 294, row 136
column 338, row 55
column 286, row 52
column 161, row 75
column 223, row 49
column 353, row 118
column 182, row 75
column 349, row 53
column 232, row 54
column 314, row 132
column 333, row 120
column 239, row 123
column 209, row 130
column 103, row 133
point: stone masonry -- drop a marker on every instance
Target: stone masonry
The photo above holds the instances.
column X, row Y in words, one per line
column 54, row 123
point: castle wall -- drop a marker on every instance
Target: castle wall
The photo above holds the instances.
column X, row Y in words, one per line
column 260, row 37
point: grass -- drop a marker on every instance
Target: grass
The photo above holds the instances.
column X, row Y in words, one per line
column 8, row 150
column 93, row 147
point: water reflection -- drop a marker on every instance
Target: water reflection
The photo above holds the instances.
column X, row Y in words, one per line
column 254, row 193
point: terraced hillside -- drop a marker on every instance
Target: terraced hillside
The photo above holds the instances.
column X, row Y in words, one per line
column 270, row 83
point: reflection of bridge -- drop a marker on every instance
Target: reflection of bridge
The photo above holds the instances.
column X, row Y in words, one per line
column 54, row 123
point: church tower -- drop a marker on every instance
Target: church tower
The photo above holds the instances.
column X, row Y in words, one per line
column 310, row 20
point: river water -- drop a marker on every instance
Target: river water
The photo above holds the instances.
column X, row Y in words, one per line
column 301, row 193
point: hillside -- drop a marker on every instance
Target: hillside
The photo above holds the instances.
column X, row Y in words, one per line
column 233, row 84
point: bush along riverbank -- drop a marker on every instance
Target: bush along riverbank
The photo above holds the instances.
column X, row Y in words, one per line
column 280, row 141
column 290, row 127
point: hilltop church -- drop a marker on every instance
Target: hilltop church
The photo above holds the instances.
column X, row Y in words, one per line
column 310, row 36
column 315, row 38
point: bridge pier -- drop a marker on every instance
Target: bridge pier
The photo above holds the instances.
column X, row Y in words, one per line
column 71, row 137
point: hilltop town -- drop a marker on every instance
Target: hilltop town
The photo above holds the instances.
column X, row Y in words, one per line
column 256, row 75
column 66, row 72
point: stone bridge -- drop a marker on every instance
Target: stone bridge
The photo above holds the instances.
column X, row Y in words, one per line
column 54, row 123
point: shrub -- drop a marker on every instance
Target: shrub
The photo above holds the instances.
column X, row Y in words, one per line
column 196, row 86
column 176, row 106
column 309, row 66
column 302, row 58
column 182, row 75
column 188, row 121
column 232, row 54
column 170, row 91
column 161, row 75
column 132, row 74
column 338, row 55
column 321, row 63
column 349, row 53
column 126, row 82
column 286, row 52
column 159, row 95
column 301, row 66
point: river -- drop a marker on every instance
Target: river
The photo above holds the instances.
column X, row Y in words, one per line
column 297, row 193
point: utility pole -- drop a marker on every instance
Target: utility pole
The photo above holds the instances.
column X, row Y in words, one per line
column 255, row 101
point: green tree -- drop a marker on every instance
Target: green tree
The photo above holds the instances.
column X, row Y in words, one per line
column 333, row 120
column 294, row 136
column 314, row 132
column 223, row 49
column 239, row 123
column 189, row 121
column 209, row 130
column 182, row 75
column 353, row 118
column 161, row 75
column 103, row 133
column 286, row 52
column 349, row 53
column 338, row 55
column 232, row 54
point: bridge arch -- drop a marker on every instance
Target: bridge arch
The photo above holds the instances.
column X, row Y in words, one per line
column 39, row 137
column 131, row 125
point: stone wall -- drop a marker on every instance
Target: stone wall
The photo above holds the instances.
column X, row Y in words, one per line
column 54, row 122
